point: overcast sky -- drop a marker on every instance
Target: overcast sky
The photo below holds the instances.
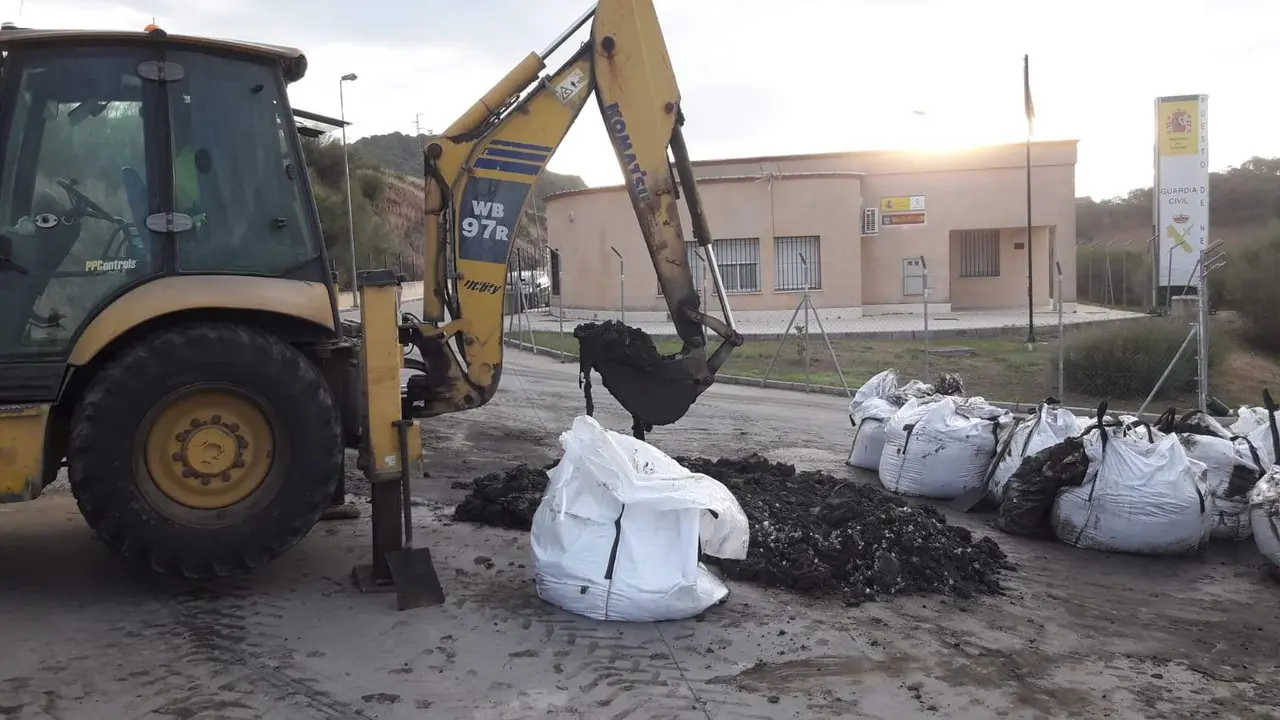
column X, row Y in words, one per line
column 762, row 77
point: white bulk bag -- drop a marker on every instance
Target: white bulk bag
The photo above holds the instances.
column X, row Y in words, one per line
column 1264, row 514
column 1050, row 425
column 1137, row 429
column 1261, row 439
column 868, row 433
column 869, row 410
column 1250, row 419
column 1221, row 457
column 940, row 446
column 882, row 385
column 1138, row 497
column 616, row 535
column 1208, row 422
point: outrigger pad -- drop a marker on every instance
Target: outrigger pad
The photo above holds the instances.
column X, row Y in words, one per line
column 655, row 389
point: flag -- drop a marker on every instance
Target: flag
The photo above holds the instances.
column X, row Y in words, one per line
column 1026, row 93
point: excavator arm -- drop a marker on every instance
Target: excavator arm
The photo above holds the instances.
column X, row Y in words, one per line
column 480, row 173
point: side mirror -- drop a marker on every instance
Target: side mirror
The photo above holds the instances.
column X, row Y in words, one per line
column 204, row 161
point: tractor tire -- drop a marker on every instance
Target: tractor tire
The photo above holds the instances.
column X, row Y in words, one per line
column 206, row 450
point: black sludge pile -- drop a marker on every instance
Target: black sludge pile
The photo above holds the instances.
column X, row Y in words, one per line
column 821, row 536
column 614, row 342
column 503, row 498
column 811, row 533
column 1028, row 496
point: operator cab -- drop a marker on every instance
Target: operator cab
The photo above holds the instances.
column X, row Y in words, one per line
column 129, row 156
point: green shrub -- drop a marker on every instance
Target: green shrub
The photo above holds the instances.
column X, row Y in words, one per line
column 1250, row 277
column 372, row 185
column 1124, row 361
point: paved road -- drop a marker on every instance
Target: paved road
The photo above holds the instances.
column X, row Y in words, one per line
column 1079, row 635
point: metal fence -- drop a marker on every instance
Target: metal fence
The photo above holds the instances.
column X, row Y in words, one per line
column 1115, row 276
column 1093, row 351
column 528, row 280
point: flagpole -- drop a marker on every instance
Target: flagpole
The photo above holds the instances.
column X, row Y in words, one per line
column 1026, row 83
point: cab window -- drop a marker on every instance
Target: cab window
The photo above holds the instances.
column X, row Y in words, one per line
column 73, row 199
column 236, row 171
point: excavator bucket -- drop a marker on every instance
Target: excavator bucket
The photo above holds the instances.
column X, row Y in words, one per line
column 656, row 389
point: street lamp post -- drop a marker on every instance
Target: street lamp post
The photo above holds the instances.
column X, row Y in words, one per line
column 346, row 167
column 622, row 286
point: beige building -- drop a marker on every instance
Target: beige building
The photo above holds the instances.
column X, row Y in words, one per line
column 852, row 226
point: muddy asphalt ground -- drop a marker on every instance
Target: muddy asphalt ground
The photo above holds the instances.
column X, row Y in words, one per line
column 1081, row 634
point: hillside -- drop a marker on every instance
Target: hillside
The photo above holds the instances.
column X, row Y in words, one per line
column 387, row 202
column 1247, row 196
column 401, row 153
column 1113, row 261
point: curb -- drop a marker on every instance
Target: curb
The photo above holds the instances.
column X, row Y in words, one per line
column 1044, row 332
column 1017, row 407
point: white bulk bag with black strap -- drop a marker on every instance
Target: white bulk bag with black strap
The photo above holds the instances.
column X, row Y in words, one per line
column 1264, row 440
column 1138, row 497
column 1264, row 514
column 940, row 446
column 1048, row 426
column 617, row 534
column 1231, row 470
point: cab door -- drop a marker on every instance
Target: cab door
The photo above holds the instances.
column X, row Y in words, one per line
column 78, row 177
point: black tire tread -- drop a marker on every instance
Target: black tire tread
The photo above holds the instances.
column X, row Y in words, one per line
column 97, row 473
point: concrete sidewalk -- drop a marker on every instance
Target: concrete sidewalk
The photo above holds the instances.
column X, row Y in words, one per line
column 838, row 323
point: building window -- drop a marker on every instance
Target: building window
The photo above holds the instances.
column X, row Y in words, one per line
column 797, row 263
column 739, row 261
column 555, row 271
column 979, row 253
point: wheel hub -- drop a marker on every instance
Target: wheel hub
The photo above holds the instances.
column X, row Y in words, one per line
column 208, row 449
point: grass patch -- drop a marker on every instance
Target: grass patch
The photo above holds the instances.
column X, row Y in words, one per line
column 1119, row 363
column 999, row 369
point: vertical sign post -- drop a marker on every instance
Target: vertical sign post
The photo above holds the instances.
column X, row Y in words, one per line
column 1181, row 189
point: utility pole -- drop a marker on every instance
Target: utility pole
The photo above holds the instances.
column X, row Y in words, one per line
column 417, row 125
column 346, row 168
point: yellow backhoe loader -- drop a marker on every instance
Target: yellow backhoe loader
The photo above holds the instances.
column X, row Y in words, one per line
column 169, row 325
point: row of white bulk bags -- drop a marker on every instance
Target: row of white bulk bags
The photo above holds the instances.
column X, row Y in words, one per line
column 940, row 446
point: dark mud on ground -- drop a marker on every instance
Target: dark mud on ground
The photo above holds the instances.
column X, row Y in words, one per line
column 811, row 533
column 503, row 498
column 819, row 535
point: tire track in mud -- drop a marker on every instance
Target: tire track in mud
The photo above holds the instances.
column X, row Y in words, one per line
column 189, row 655
column 587, row 668
column 232, row 633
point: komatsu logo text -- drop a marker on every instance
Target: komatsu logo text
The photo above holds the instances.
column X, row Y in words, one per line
column 622, row 142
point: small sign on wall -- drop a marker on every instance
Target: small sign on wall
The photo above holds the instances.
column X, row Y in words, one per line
column 907, row 218
column 902, row 210
column 905, row 203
